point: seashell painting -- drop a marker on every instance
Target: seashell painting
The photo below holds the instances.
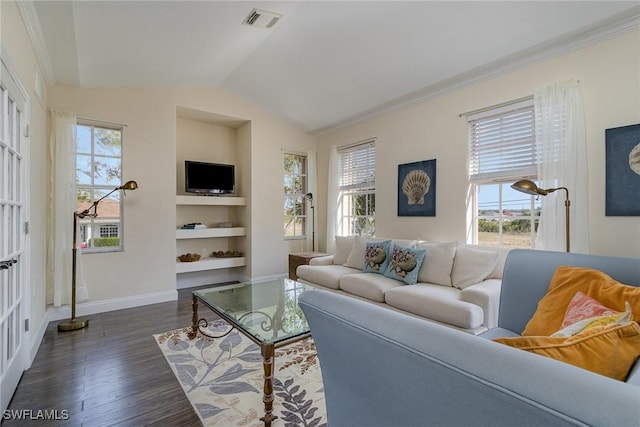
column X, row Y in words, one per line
column 416, row 184
column 417, row 188
column 622, row 160
column 634, row 159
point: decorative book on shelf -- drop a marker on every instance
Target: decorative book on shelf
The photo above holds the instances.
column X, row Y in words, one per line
column 194, row 226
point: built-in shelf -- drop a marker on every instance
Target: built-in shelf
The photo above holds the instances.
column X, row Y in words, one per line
column 210, row 264
column 211, row 200
column 210, row 232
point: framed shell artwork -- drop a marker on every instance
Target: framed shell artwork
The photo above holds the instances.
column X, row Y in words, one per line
column 623, row 171
column 417, row 188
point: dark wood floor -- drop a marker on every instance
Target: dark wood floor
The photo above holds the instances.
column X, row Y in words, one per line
column 111, row 373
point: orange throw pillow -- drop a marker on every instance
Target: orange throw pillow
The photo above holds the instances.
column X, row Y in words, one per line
column 565, row 283
column 607, row 350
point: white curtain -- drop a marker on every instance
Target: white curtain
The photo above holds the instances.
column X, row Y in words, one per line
column 560, row 134
column 62, row 203
column 312, row 188
column 332, row 199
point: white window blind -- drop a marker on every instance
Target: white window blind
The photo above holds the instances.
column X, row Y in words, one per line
column 357, row 166
column 502, row 143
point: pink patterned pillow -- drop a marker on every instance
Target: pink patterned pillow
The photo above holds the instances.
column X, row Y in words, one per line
column 582, row 307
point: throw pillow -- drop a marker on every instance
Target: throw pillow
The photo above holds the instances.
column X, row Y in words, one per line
column 607, row 350
column 438, row 262
column 356, row 256
column 566, row 281
column 344, row 244
column 593, row 322
column 581, row 307
column 405, row 264
column 376, row 257
column 471, row 266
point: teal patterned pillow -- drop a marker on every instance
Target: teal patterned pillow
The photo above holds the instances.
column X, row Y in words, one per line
column 376, row 257
column 405, row 264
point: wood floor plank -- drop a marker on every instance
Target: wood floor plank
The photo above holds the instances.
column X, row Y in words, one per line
column 111, row 373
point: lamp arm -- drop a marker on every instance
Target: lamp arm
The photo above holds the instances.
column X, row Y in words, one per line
column 94, row 205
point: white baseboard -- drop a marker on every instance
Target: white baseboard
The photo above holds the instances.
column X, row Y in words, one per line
column 36, row 339
column 88, row 308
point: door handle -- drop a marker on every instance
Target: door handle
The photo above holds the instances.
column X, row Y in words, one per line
column 4, row 265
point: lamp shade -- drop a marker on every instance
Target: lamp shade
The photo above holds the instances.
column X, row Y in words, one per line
column 529, row 187
column 129, row 185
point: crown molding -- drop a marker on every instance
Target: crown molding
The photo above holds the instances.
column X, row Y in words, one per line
column 32, row 25
column 593, row 34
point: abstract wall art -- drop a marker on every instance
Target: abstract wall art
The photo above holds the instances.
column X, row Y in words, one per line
column 623, row 171
column 417, row 188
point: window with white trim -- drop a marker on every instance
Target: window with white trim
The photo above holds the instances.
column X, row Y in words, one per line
column 99, row 171
column 295, row 188
column 502, row 150
column 357, row 190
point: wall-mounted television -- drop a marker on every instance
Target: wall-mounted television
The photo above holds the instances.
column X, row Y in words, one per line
column 209, row 178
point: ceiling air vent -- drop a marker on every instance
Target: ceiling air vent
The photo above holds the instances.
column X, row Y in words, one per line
column 262, row 18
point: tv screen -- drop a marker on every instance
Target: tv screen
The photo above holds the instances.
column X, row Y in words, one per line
column 209, row 178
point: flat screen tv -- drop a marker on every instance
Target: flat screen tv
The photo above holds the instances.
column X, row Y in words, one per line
column 209, row 178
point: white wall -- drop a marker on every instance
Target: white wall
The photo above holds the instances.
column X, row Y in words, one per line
column 609, row 77
column 149, row 151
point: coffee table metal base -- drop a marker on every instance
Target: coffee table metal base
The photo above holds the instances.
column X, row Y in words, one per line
column 266, row 349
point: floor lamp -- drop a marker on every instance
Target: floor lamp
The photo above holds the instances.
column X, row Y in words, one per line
column 313, row 222
column 75, row 323
column 529, row 187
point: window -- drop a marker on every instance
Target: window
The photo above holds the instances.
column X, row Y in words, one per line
column 357, row 186
column 109, row 230
column 99, row 171
column 295, row 188
column 502, row 150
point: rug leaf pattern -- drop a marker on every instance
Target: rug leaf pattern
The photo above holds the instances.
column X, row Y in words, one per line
column 223, row 378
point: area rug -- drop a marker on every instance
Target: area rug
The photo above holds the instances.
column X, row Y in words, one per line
column 223, row 378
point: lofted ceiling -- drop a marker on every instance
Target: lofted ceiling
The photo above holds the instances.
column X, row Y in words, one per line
column 323, row 64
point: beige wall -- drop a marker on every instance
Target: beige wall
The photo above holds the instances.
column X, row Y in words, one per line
column 149, row 152
column 19, row 53
column 609, row 77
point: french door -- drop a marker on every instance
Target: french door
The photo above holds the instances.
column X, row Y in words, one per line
column 13, row 197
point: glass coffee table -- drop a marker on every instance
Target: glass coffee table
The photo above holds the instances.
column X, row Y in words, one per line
column 267, row 312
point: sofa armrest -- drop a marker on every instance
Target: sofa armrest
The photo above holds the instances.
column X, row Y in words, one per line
column 322, row 260
column 485, row 294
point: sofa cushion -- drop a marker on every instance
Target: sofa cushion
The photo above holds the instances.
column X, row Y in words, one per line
column 436, row 302
column 368, row 285
column 405, row 264
column 438, row 263
column 344, row 244
column 471, row 266
column 356, row 257
column 565, row 283
column 377, row 256
column 325, row 275
column 606, row 350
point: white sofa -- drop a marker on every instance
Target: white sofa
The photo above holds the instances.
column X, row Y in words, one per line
column 458, row 285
